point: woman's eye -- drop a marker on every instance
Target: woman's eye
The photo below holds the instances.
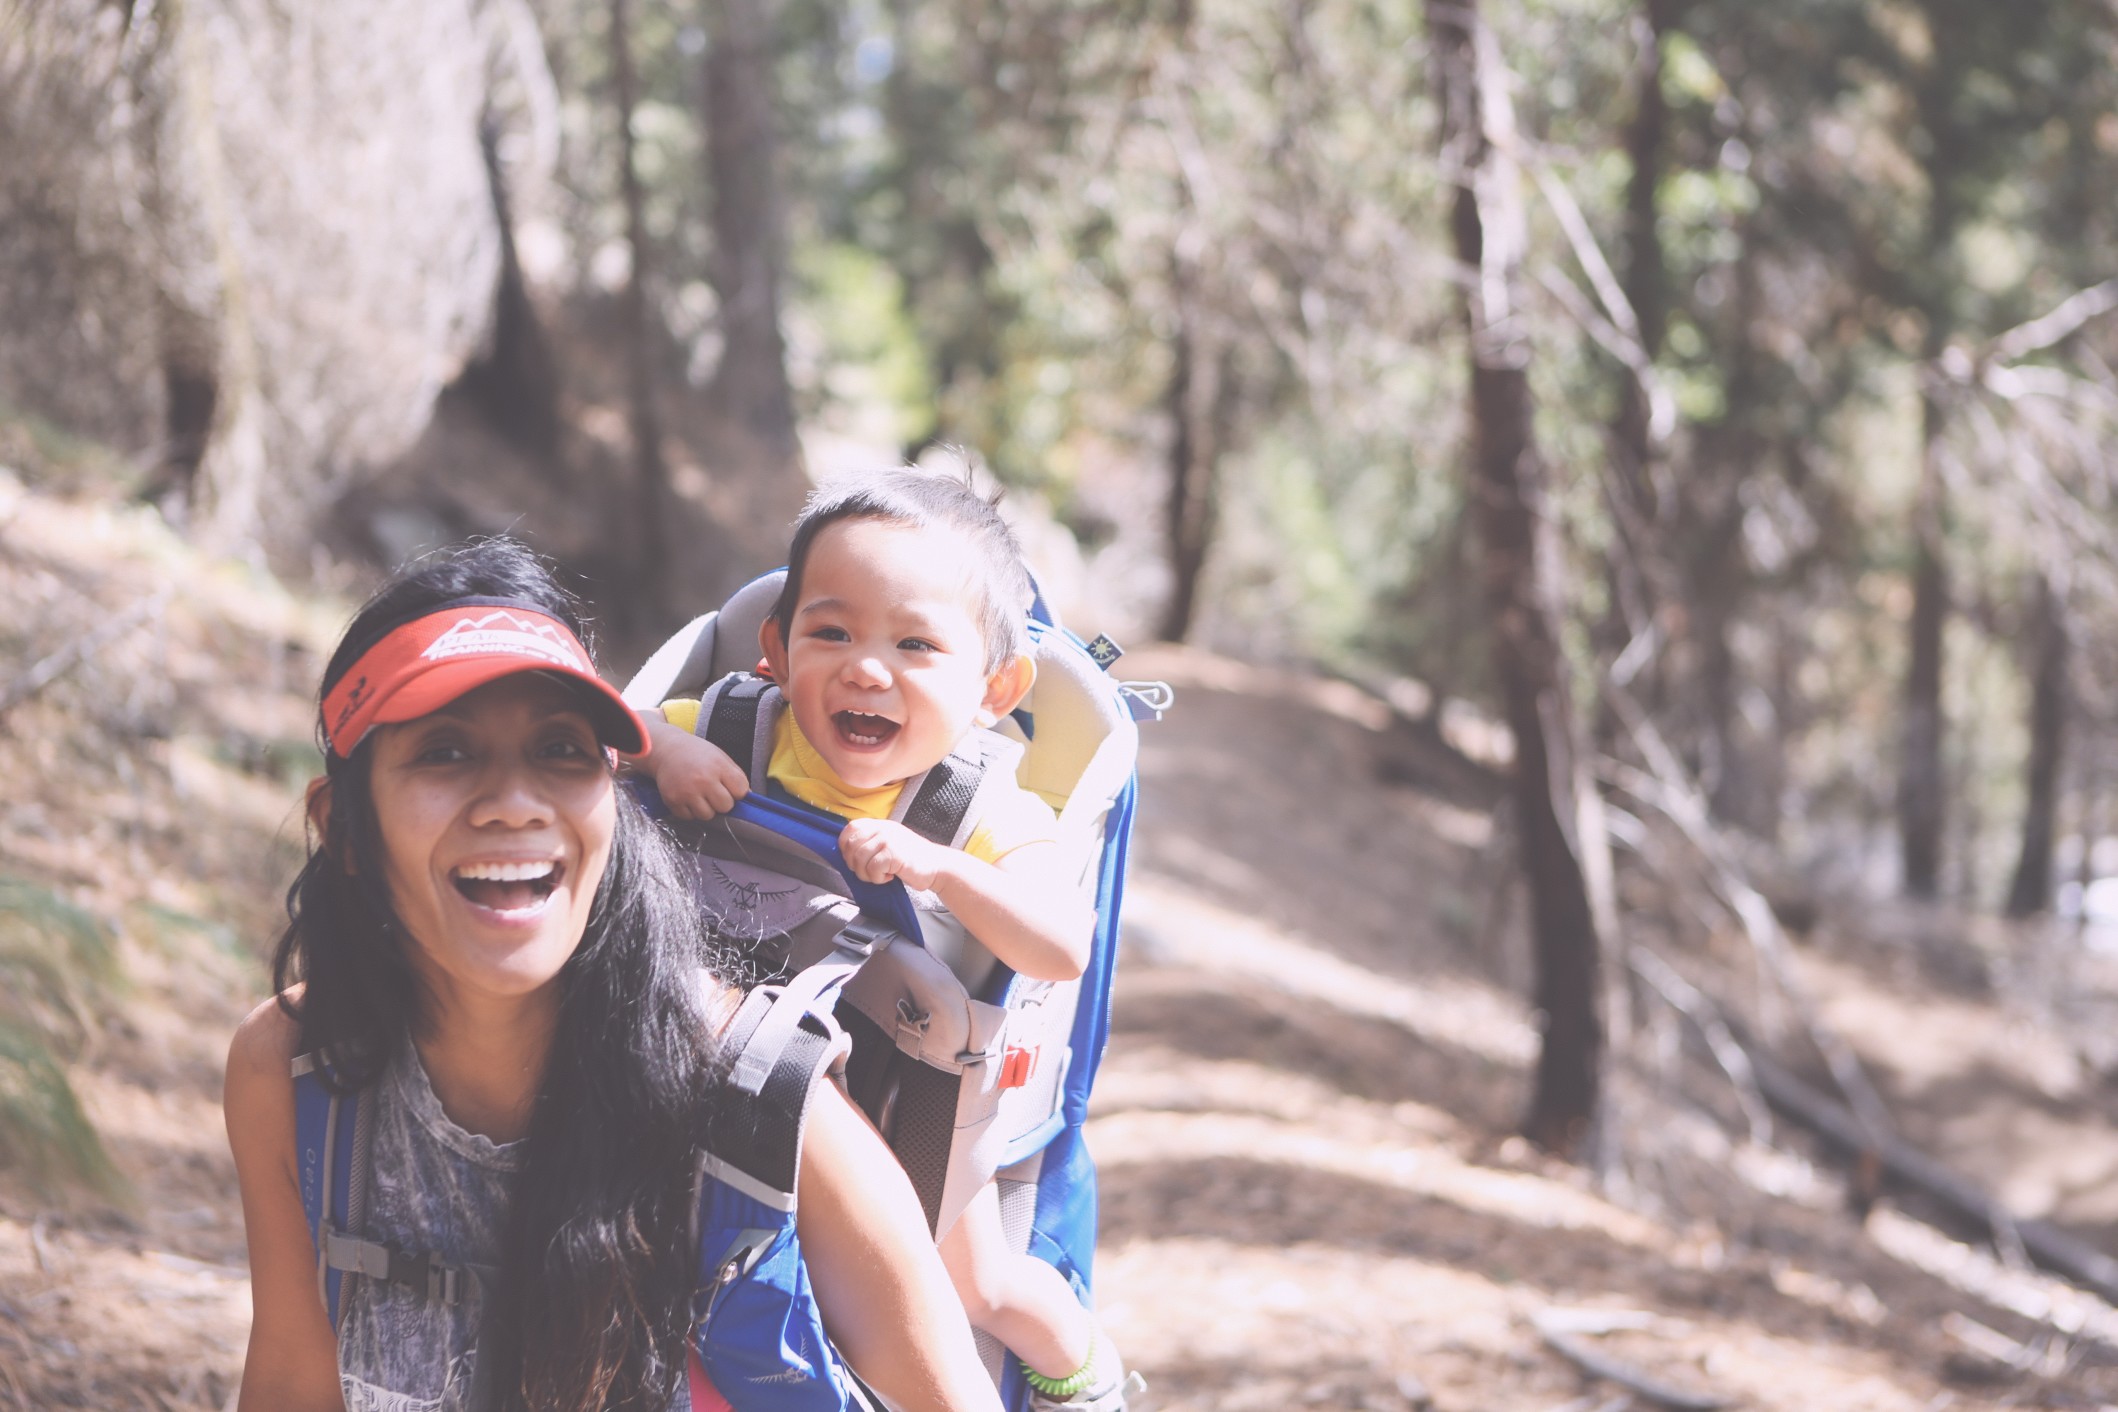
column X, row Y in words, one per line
column 442, row 752
column 567, row 748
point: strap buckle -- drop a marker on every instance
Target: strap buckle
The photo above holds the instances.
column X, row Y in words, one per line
column 384, row 1260
column 862, row 935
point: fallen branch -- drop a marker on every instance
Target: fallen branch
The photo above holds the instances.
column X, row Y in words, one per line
column 1667, row 787
column 82, row 649
column 1728, row 1051
column 2047, row 329
column 1624, row 1374
column 2041, row 1241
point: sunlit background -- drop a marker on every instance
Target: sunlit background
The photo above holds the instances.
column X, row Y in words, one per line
column 1785, row 332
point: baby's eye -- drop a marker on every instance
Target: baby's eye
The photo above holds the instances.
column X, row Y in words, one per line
column 829, row 634
column 917, row 644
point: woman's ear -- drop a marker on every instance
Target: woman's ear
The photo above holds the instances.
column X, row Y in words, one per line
column 317, row 805
column 1005, row 689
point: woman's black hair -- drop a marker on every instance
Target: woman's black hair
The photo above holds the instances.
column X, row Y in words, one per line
column 593, row 1301
column 911, row 497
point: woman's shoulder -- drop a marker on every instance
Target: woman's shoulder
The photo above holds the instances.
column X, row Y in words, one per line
column 261, row 1054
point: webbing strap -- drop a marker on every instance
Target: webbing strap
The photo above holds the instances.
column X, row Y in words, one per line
column 856, row 941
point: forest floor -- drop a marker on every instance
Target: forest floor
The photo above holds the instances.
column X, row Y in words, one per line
column 1311, row 1192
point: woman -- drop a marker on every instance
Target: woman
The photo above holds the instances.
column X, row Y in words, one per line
column 488, row 939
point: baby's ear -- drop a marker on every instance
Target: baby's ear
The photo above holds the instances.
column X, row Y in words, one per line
column 772, row 641
column 1005, row 689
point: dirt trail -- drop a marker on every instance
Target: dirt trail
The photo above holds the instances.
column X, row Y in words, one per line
column 1310, row 1194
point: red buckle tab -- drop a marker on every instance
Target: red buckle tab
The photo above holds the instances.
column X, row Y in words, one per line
column 1017, row 1065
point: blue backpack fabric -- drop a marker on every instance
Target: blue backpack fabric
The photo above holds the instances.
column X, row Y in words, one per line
column 758, row 1343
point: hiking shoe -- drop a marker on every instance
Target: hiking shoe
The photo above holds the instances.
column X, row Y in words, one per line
column 1108, row 1397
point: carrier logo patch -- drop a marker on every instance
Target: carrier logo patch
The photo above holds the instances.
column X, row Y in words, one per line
column 502, row 631
column 747, row 903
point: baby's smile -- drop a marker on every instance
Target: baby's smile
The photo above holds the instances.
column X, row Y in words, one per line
column 863, row 731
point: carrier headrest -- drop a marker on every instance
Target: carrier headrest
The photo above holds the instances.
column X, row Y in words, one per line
column 736, row 649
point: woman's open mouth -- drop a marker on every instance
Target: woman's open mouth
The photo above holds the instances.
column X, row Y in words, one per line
column 508, row 888
column 863, row 731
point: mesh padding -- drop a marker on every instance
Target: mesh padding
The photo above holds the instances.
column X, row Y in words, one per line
column 945, row 795
column 914, row 1105
column 923, row 1125
column 733, row 722
column 762, row 1136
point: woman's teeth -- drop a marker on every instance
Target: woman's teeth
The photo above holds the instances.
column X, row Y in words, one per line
column 507, row 887
column 506, row 872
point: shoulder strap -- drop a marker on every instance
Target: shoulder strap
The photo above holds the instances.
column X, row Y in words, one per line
column 332, row 1133
column 940, row 805
column 324, row 1124
column 739, row 714
column 754, row 1134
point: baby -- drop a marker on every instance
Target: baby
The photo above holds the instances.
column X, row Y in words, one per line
column 900, row 630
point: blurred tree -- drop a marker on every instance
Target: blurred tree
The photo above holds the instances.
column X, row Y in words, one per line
column 2031, row 890
column 1523, row 594
column 643, row 338
column 750, row 385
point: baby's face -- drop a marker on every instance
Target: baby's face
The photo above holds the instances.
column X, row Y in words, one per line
column 884, row 661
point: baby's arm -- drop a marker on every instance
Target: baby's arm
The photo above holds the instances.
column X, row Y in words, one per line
column 696, row 778
column 1016, row 907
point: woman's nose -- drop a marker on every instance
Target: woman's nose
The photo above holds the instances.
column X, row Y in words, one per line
column 510, row 796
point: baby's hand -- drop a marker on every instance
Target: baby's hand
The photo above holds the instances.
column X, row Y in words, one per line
column 696, row 777
column 878, row 850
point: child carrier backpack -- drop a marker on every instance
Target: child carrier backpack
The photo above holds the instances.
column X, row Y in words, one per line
column 972, row 1073
column 758, row 1341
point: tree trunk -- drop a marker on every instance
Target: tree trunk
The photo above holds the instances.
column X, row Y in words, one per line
column 514, row 383
column 1646, row 278
column 1920, row 790
column 1506, row 487
column 652, row 500
column 2031, row 891
column 1200, row 402
column 750, row 386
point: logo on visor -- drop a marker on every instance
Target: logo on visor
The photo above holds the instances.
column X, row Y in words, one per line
column 502, row 632
column 356, row 697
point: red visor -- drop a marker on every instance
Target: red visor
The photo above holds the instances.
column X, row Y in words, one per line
column 423, row 665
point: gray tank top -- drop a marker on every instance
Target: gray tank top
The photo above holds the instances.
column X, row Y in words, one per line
column 431, row 1186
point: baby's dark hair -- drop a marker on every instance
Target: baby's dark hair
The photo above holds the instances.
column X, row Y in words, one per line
column 909, row 497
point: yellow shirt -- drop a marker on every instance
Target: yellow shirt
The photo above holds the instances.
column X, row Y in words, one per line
column 1010, row 817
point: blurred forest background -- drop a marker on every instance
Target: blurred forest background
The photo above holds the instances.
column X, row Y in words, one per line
column 1688, row 427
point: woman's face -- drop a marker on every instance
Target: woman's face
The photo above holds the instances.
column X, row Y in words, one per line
column 496, row 814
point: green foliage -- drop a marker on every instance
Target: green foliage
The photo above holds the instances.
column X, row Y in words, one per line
column 867, row 367
column 54, row 959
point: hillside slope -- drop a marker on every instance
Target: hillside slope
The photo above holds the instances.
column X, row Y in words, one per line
column 1310, row 1192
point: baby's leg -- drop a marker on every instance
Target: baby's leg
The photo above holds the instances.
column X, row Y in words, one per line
column 1013, row 1295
